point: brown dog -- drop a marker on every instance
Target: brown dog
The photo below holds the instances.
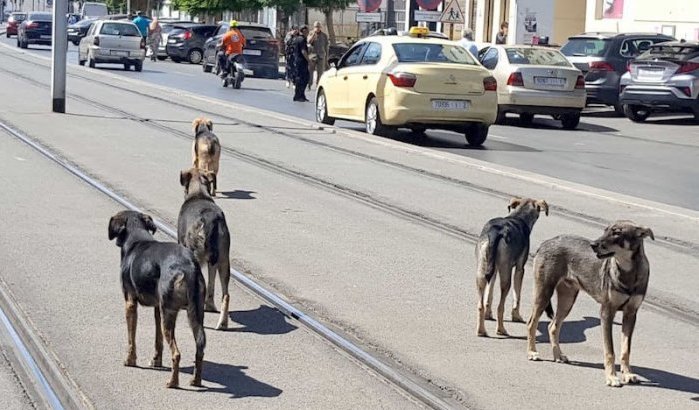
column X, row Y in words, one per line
column 206, row 150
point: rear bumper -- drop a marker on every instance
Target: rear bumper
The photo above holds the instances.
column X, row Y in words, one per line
column 104, row 56
column 665, row 97
column 602, row 94
column 538, row 109
column 409, row 107
column 176, row 51
column 546, row 101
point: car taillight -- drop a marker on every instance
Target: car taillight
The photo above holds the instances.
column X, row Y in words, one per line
column 580, row 83
column 96, row 41
column 32, row 24
column 601, row 66
column 515, row 80
column 187, row 35
column 490, row 84
column 687, row 67
column 143, row 43
column 402, row 79
column 686, row 91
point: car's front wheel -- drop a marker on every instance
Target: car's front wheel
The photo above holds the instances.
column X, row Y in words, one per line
column 476, row 134
column 570, row 121
column 138, row 65
column 372, row 119
column 636, row 113
column 322, row 110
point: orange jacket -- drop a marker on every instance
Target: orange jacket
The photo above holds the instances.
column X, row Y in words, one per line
column 233, row 42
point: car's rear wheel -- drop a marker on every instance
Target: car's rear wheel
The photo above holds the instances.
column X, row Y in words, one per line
column 90, row 61
column 161, row 58
column 501, row 117
column 206, row 68
column 138, row 65
column 127, row 67
column 476, row 134
column 636, row 113
column 619, row 109
column 194, row 56
column 372, row 119
column 570, row 121
column 322, row 110
column 80, row 60
column 75, row 43
column 526, row 119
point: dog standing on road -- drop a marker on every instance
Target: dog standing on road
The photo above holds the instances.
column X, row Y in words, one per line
column 201, row 227
column 206, row 151
column 504, row 244
column 613, row 270
column 164, row 275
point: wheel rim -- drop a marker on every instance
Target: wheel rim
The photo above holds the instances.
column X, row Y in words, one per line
column 195, row 56
column 320, row 108
column 371, row 116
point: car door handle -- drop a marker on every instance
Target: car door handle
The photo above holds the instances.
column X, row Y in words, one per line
column 365, row 77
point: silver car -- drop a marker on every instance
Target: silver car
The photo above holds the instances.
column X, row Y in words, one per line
column 665, row 77
column 113, row 42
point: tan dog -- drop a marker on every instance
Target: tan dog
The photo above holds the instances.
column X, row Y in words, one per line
column 206, row 151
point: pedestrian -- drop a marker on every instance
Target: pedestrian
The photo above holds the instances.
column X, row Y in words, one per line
column 154, row 36
column 142, row 23
column 468, row 43
column 289, row 55
column 501, row 38
column 302, row 74
column 318, row 53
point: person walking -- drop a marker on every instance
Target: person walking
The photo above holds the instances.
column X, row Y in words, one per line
column 154, row 37
column 289, row 71
column 501, row 37
column 142, row 22
column 301, row 64
column 318, row 53
column 468, row 43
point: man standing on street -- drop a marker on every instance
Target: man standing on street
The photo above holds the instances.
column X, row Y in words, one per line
column 468, row 43
column 301, row 62
column 318, row 53
column 142, row 23
column 501, row 38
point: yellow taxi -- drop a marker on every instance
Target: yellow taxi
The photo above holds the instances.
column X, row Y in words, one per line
column 409, row 81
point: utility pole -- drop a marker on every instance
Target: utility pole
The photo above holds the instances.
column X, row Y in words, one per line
column 58, row 56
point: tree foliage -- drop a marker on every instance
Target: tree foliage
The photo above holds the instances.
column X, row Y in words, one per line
column 204, row 7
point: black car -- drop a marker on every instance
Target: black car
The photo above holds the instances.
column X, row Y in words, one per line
column 187, row 43
column 36, row 29
column 604, row 57
column 260, row 54
column 78, row 30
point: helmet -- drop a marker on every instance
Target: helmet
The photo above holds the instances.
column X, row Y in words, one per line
column 233, row 23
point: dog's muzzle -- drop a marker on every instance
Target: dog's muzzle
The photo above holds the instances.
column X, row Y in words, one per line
column 600, row 251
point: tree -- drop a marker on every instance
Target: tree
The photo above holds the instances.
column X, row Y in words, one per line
column 208, row 7
column 328, row 7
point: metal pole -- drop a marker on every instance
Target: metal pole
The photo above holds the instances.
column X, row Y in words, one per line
column 128, row 6
column 58, row 56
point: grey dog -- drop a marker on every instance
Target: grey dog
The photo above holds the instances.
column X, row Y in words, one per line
column 504, row 244
column 201, row 227
column 613, row 270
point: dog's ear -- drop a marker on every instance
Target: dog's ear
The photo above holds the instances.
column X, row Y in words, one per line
column 643, row 232
column 514, row 203
column 116, row 227
column 150, row 225
column 541, row 204
column 185, row 176
column 210, row 125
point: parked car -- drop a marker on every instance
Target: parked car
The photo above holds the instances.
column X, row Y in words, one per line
column 535, row 80
column 261, row 51
column 35, row 29
column 392, row 82
column 167, row 27
column 603, row 59
column 13, row 23
column 187, row 43
column 78, row 30
column 113, row 42
column 665, row 77
column 93, row 10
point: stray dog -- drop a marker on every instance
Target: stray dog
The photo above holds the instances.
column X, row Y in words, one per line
column 613, row 270
column 504, row 244
column 206, row 151
column 164, row 275
column 201, row 227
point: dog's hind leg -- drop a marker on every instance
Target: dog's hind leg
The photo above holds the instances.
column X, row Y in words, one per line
column 519, row 276
column 169, row 318
column 195, row 314
column 131, row 320
column 505, row 283
column 224, row 274
column 567, row 293
column 489, row 292
column 481, row 283
column 209, row 304
column 542, row 295
column 627, row 325
column 158, row 357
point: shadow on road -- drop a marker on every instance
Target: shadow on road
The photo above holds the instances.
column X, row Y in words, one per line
column 264, row 320
column 571, row 331
column 233, row 380
column 238, row 194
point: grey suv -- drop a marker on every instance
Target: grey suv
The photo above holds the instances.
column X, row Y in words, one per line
column 187, row 43
column 603, row 58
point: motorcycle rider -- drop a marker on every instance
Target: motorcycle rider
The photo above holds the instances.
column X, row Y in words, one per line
column 231, row 45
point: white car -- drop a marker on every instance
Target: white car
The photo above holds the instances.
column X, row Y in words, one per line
column 113, row 42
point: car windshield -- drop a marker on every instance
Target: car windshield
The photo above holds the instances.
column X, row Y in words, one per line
column 536, row 56
column 590, row 47
column 40, row 17
column 18, row 16
column 432, row 53
column 120, row 29
column 676, row 52
column 255, row 32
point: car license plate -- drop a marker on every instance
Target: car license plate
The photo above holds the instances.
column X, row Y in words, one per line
column 450, row 105
column 171, row 40
column 120, row 53
column 46, row 36
column 650, row 74
column 550, row 81
column 253, row 52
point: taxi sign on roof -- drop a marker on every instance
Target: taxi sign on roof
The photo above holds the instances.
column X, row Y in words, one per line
column 452, row 14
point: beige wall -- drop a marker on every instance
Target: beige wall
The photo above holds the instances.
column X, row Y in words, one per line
column 568, row 20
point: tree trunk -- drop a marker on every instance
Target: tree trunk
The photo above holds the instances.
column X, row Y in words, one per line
column 329, row 25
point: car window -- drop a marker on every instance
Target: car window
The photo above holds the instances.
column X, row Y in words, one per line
column 255, row 32
column 18, row 16
column 222, row 30
column 591, row 47
column 432, row 53
column 119, row 29
column 673, row 52
column 92, row 29
column 204, row 31
column 482, row 52
column 353, row 57
column 536, row 56
column 372, row 55
column 490, row 58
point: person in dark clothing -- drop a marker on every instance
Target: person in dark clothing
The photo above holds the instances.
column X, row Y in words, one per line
column 301, row 65
column 501, row 37
column 289, row 54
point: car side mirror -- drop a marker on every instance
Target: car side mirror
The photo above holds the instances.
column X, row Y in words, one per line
column 333, row 62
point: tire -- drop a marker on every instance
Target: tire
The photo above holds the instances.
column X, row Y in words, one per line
column 161, row 58
column 138, row 65
column 80, row 62
column 7, row 34
column 476, row 134
column 75, row 43
column 501, row 117
column 127, row 67
column 17, row 41
column 237, row 80
column 195, row 56
column 570, row 121
column 90, row 61
column 224, row 82
column 23, row 44
column 636, row 113
column 206, row 68
column 372, row 119
column 322, row 110
column 526, row 119
column 619, row 109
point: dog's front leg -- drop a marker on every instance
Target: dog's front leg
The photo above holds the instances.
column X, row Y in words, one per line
column 158, row 357
column 607, row 315
column 131, row 319
column 627, row 326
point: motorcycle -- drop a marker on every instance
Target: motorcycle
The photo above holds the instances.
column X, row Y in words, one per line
column 236, row 72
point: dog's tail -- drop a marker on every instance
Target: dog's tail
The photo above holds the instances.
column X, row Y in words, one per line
column 549, row 310
column 494, row 237
column 196, row 293
column 212, row 242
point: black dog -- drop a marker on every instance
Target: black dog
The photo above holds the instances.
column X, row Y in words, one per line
column 164, row 275
column 201, row 227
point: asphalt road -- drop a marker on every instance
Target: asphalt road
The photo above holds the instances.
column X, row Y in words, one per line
column 605, row 152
